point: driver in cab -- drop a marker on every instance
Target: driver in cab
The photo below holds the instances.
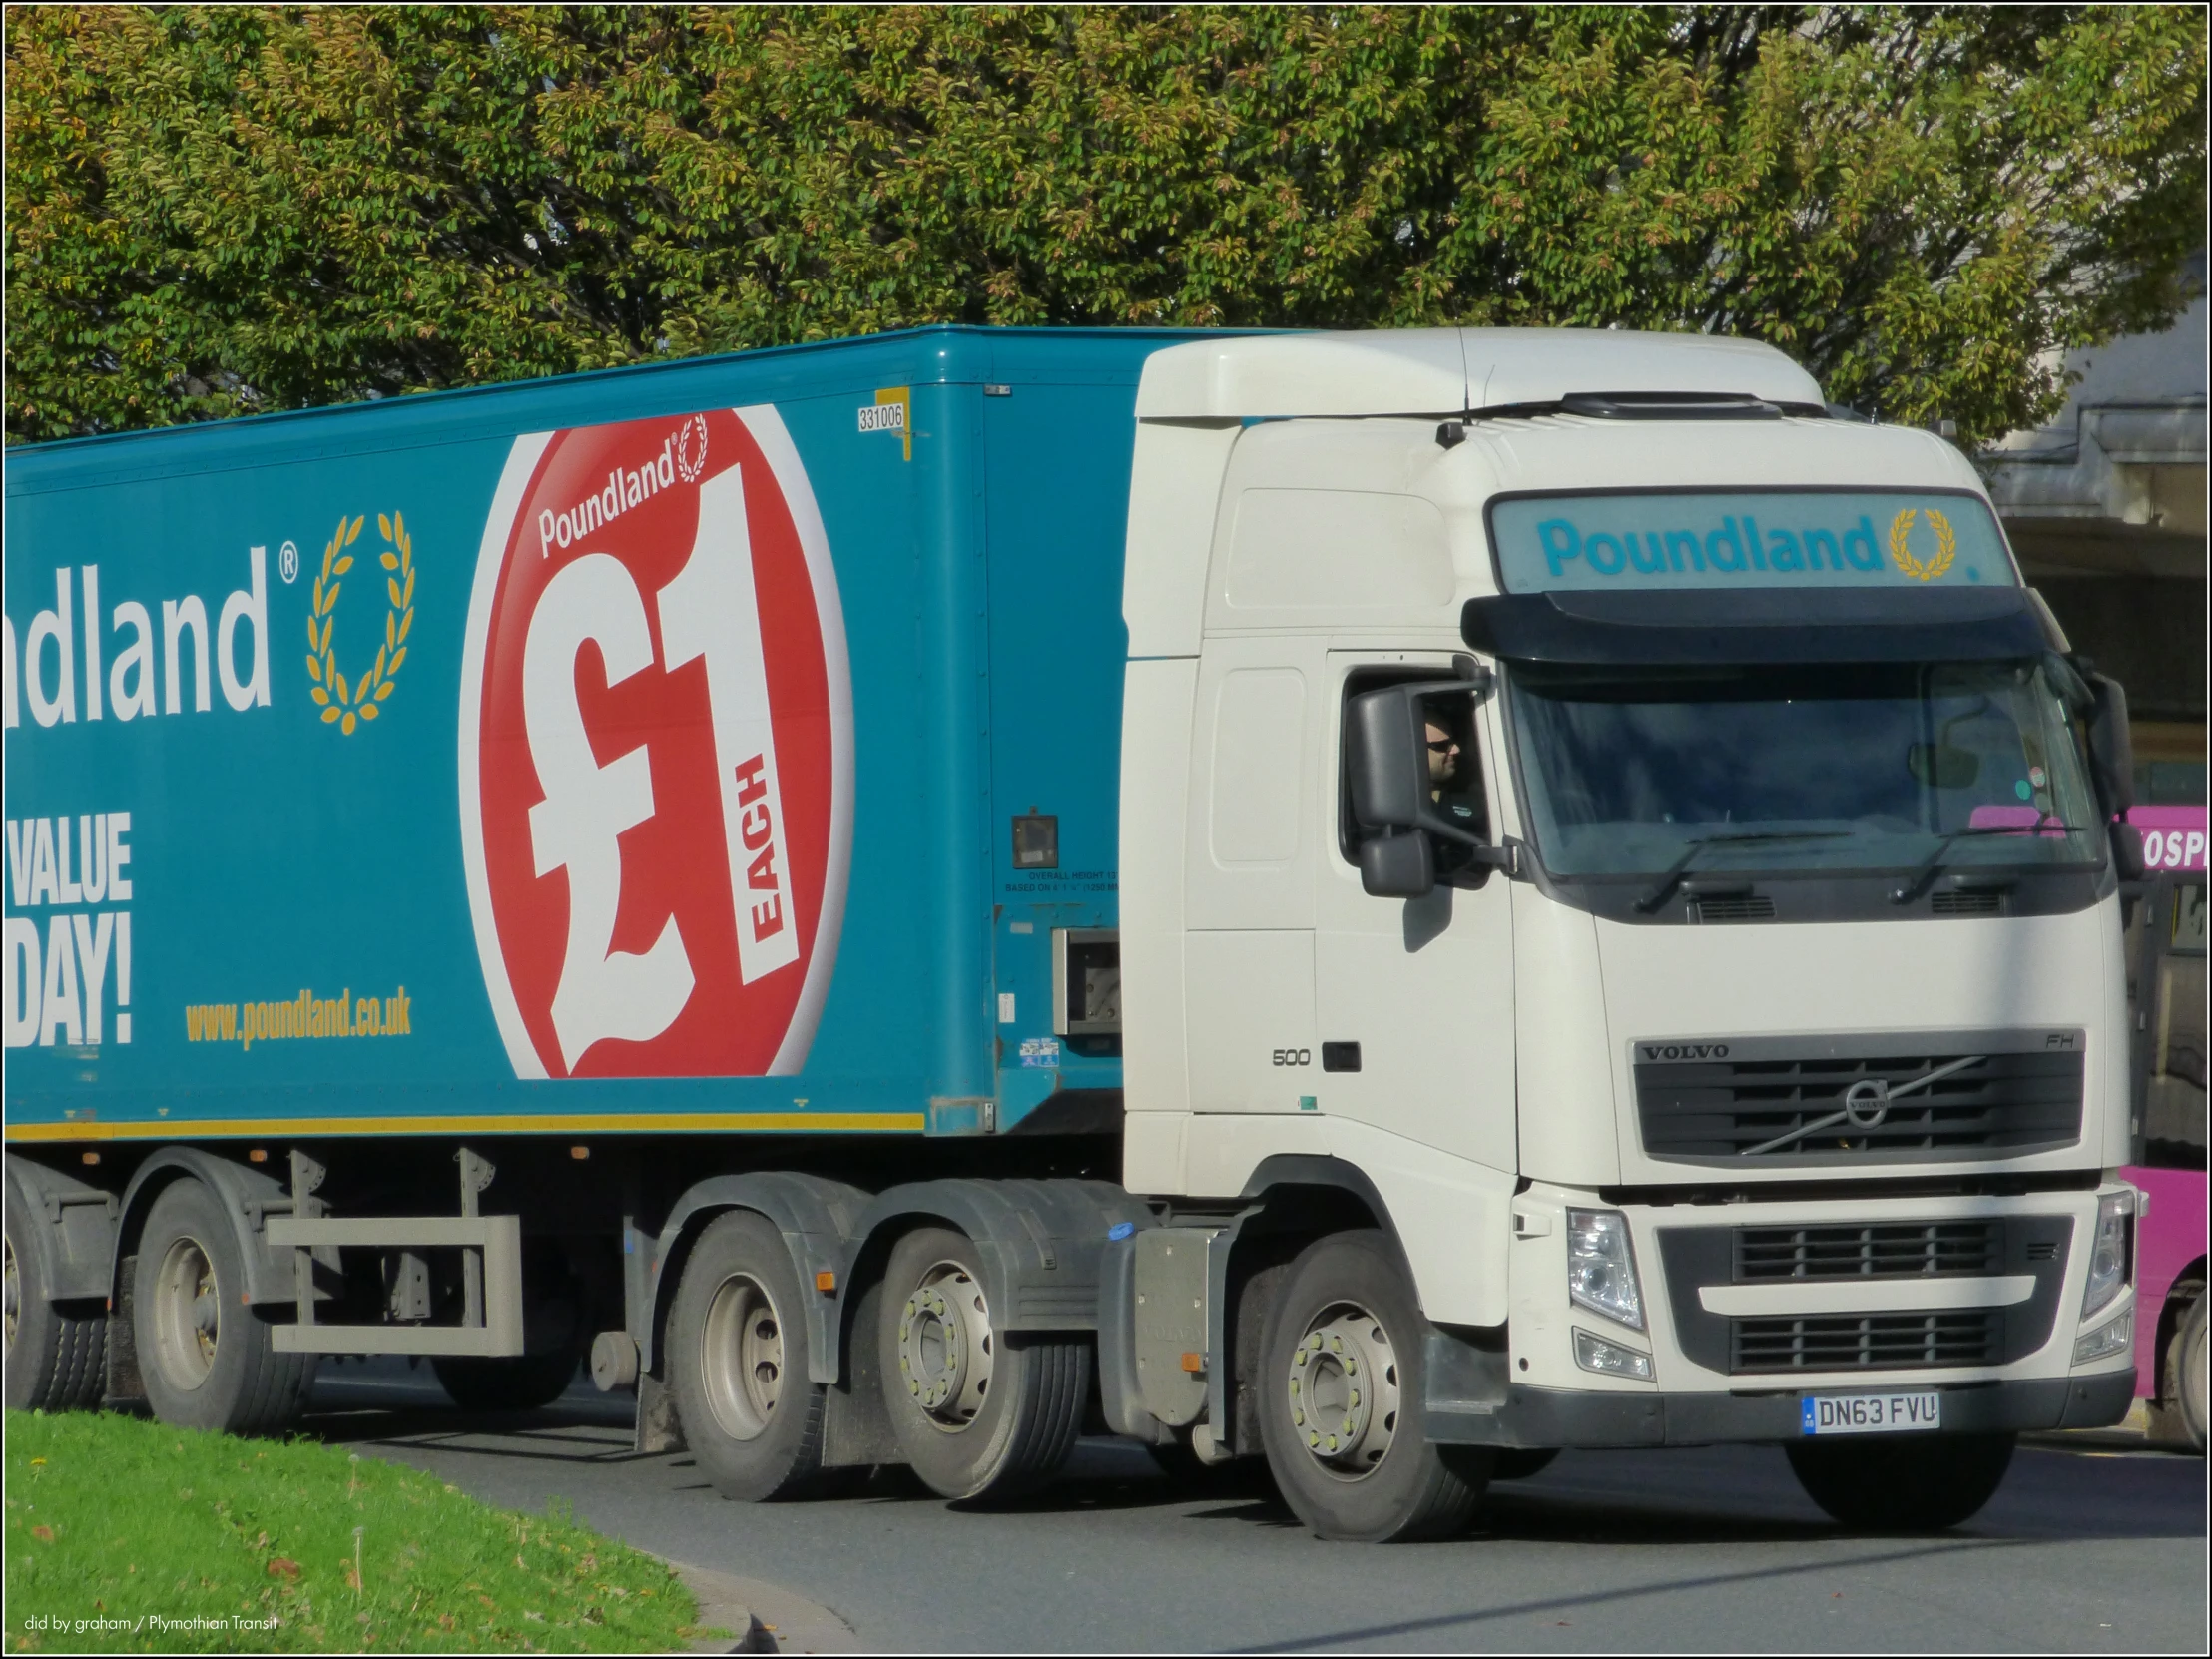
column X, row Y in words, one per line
column 1452, row 783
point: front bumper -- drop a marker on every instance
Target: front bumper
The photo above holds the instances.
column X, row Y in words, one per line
column 1535, row 1417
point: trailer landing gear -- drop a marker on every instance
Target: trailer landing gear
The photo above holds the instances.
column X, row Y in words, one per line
column 979, row 1412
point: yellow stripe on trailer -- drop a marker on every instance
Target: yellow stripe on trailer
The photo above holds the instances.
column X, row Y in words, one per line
column 519, row 1124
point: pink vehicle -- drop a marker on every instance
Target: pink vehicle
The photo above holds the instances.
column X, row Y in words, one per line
column 2167, row 991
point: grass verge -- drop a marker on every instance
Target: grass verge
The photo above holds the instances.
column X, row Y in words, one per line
column 123, row 1535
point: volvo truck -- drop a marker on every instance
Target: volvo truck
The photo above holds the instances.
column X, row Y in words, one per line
column 1389, row 902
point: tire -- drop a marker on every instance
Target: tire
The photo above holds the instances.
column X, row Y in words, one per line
column 57, row 1353
column 737, row 1356
column 207, row 1361
column 979, row 1412
column 1519, row 1464
column 517, row 1382
column 2187, row 1359
column 1345, row 1337
column 1909, row 1483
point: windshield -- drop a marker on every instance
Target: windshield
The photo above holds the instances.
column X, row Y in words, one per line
column 1824, row 768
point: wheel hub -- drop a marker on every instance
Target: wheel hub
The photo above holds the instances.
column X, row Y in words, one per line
column 945, row 1346
column 742, row 1358
column 1344, row 1390
column 188, row 1313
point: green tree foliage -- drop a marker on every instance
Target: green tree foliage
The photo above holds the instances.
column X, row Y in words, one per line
column 214, row 212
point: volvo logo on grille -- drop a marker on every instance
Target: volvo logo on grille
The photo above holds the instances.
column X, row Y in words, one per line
column 1866, row 1104
column 1685, row 1051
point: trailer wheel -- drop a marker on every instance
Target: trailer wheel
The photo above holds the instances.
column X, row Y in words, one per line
column 57, row 1353
column 737, row 1347
column 516, row 1382
column 1341, row 1402
column 979, row 1412
column 1908, row 1483
column 207, row 1359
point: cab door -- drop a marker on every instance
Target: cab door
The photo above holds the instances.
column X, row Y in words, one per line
column 1414, row 997
column 1249, row 861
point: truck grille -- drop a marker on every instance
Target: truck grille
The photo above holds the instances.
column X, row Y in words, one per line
column 1737, row 1107
column 1866, row 1342
column 1900, row 1250
column 1691, row 1258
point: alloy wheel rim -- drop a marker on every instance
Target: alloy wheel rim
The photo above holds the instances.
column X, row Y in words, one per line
column 1343, row 1390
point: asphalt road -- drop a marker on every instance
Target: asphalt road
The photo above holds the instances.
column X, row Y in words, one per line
column 2089, row 1547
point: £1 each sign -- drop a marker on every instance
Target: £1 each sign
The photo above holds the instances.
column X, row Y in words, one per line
column 656, row 751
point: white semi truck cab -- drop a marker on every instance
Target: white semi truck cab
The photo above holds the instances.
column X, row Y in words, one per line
column 1626, row 831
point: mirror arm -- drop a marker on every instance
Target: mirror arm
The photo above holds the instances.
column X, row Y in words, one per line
column 1506, row 854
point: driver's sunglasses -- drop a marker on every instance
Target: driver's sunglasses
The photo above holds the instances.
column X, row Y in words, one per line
column 1442, row 746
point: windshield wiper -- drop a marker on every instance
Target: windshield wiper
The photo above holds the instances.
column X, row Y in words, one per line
column 1667, row 883
column 1935, row 860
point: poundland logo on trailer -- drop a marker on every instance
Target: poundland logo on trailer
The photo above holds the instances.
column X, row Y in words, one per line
column 660, row 592
column 146, row 672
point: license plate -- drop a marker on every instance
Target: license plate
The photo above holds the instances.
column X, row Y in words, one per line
column 1871, row 1413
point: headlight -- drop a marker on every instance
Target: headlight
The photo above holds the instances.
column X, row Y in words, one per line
column 2111, row 1261
column 1610, row 1358
column 1601, row 1266
column 2110, row 1338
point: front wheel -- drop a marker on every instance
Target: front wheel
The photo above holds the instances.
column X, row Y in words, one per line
column 1342, row 1410
column 1910, row 1484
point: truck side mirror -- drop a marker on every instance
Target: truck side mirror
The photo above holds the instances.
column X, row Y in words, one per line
column 2111, row 747
column 1386, row 763
column 1387, row 755
column 1403, row 866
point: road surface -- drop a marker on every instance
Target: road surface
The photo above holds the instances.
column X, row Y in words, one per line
column 2089, row 1547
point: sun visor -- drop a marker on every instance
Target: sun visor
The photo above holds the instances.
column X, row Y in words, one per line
column 1750, row 626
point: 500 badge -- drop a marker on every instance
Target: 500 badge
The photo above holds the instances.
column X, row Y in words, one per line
column 656, row 739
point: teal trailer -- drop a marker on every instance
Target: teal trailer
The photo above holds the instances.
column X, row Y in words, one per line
column 375, row 770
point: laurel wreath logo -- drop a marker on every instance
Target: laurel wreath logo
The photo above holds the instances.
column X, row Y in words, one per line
column 691, row 448
column 346, row 704
column 1946, row 545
